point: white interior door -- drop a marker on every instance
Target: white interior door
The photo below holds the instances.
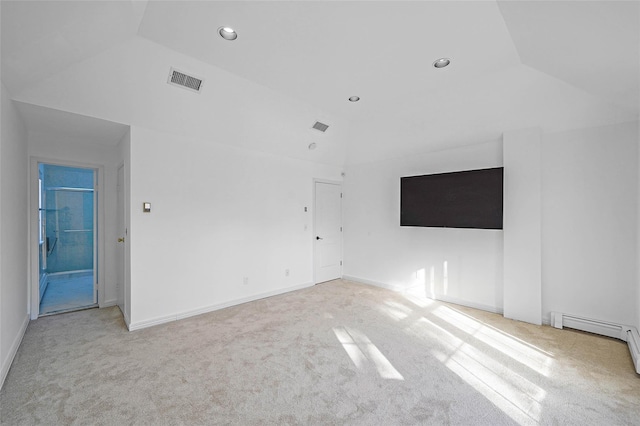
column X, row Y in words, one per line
column 328, row 231
column 120, row 255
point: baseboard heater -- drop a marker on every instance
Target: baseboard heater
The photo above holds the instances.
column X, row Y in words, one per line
column 625, row 333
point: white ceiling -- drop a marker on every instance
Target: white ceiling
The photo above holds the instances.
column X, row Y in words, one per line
column 42, row 38
column 594, row 45
column 75, row 126
column 324, row 52
column 554, row 65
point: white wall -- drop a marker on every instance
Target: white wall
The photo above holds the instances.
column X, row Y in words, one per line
column 637, row 323
column 266, row 135
column 124, row 157
column 13, row 232
column 590, row 222
column 219, row 214
column 378, row 250
column 231, row 110
column 238, row 113
column 522, row 225
column 72, row 151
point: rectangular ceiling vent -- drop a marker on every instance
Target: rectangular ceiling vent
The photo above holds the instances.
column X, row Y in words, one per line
column 320, row 126
column 189, row 82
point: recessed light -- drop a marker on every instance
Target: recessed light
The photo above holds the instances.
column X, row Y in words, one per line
column 442, row 62
column 312, row 146
column 354, row 98
column 227, row 33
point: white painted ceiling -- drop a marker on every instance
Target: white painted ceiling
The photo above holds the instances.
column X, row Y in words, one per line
column 594, row 45
column 42, row 38
column 69, row 125
column 555, row 65
column 324, row 52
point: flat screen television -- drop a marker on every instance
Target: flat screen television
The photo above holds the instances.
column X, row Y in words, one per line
column 466, row 199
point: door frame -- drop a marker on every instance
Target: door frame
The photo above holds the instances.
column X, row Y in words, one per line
column 33, row 229
column 122, row 210
column 313, row 243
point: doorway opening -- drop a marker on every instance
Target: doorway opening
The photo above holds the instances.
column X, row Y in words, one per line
column 67, row 219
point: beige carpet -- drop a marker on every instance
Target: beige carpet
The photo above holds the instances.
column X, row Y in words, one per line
column 337, row 353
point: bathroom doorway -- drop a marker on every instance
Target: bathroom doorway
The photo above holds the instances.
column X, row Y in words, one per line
column 67, row 219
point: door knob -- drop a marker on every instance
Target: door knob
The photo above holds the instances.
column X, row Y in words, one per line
column 121, row 240
column 318, row 238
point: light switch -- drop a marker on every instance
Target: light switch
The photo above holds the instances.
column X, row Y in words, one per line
column 146, row 207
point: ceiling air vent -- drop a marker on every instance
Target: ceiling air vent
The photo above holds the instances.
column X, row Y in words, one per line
column 178, row 78
column 320, row 126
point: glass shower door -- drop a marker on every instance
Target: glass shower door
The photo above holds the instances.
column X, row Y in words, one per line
column 69, row 229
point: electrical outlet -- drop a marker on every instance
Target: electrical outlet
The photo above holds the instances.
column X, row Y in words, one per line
column 245, row 280
column 286, row 272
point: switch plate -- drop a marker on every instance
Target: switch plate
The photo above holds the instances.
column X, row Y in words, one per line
column 146, row 207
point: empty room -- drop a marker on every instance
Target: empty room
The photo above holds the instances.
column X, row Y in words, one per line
column 320, row 212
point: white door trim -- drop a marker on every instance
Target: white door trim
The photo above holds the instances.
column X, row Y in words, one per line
column 33, row 229
column 313, row 244
column 122, row 210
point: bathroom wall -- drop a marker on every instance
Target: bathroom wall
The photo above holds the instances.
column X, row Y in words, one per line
column 69, row 218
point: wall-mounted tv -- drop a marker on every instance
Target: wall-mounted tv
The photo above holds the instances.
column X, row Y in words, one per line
column 466, row 199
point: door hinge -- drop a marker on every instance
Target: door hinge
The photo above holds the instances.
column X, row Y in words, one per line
column 341, row 229
column 341, row 195
column 341, row 263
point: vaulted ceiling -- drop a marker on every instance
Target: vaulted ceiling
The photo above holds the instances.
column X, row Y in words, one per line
column 514, row 64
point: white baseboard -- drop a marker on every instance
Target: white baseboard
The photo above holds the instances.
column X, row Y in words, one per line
column 626, row 333
column 151, row 322
column 127, row 321
column 373, row 283
column 109, row 303
column 6, row 363
column 205, row 309
column 441, row 298
column 633, row 341
column 240, row 301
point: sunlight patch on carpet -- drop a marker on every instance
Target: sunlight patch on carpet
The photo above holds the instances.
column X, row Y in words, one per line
column 395, row 310
column 512, row 393
column 363, row 353
column 528, row 355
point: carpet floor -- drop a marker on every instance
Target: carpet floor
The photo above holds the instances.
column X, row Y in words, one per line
column 335, row 353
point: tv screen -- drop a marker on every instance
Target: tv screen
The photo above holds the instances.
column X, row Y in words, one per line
column 467, row 199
